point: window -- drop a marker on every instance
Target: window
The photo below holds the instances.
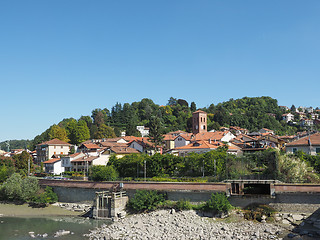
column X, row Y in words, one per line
column 317, row 150
column 61, row 147
column 54, row 147
column 294, row 150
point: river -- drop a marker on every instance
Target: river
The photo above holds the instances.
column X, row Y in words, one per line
column 18, row 228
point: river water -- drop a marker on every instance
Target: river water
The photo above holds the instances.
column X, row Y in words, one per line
column 18, row 228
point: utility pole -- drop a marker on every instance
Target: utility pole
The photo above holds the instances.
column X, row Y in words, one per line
column 145, row 170
column 29, row 166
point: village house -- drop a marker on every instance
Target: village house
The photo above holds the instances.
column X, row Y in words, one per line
column 66, row 160
column 288, row 117
column 308, row 144
column 53, row 166
column 51, row 149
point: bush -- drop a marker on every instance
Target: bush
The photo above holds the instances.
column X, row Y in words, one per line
column 103, row 173
column 145, row 200
column 11, row 189
column 48, row 196
column 30, row 188
column 183, row 204
column 17, row 188
column 256, row 211
column 218, row 203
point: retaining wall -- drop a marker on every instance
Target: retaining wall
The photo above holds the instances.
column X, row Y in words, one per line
column 84, row 191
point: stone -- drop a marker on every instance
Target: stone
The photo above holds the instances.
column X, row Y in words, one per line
column 297, row 217
column 285, row 221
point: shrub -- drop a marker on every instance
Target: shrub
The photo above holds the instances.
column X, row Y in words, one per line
column 145, row 200
column 103, row 173
column 30, row 188
column 11, row 189
column 48, row 196
column 218, row 203
column 256, row 211
column 183, row 204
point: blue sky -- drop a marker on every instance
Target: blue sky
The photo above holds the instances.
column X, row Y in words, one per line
column 61, row 59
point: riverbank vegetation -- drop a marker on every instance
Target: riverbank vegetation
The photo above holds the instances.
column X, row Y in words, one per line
column 214, row 166
column 20, row 189
column 148, row 200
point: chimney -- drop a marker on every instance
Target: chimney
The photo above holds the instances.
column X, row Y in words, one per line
column 210, row 141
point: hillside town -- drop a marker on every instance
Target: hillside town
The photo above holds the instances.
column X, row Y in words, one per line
column 55, row 155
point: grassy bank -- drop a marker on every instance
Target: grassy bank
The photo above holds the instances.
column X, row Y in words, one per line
column 24, row 210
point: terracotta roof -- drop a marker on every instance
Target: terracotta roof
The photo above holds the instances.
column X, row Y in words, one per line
column 199, row 111
column 55, row 142
column 168, row 137
column 218, row 135
column 91, row 145
column 123, row 150
column 53, row 160
column 111, row 144
column 84, row 159
column 199, row 145
column 313, row 139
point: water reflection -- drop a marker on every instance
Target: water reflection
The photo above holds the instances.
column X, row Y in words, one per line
column 18, row 228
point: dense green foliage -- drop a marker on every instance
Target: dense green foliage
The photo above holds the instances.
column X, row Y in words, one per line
column 251, row 113
column 48, row 196
column 217, row 165
column 103, row 173
column 145, row 200
column 19, row 189
column 18, row 163
column 218, row 203
column 26, row 189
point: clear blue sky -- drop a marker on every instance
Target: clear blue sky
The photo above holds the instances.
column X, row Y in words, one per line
column 61, row 59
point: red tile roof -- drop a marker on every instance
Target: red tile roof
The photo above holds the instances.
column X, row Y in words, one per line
column 84, row 159
column 313, row 139
column 55, row 142
column 53, row 160
column 123, row 150
column 91, row 145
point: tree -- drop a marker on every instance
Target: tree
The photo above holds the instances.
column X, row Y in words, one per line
column 81, row 132
column 183, row 102
column 156, row 131
column 58, row 132
column 172, row 101
column 21, row 161
column 99, row 117
column 293, row 109
column 193, row 107
column 103, row 173
column 104, row 132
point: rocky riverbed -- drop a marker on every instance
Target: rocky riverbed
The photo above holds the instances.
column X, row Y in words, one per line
column 168, row 224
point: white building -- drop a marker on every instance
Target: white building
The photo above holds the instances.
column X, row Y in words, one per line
column 144, row 131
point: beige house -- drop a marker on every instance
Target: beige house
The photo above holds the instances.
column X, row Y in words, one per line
column 202, row 146
column 51, row 149
column 309, row 144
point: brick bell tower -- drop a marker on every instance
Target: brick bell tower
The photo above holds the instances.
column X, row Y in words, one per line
column 199, row 122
